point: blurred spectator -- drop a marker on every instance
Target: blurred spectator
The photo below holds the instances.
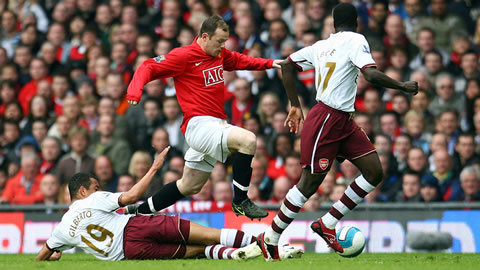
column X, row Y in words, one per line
column 446, row 96
column 425, row 38
column 60, row 130
column 282, row 146
column 293, row 169
column 105, row 173
column 414, row 10
column 50, row 188
column 174, row 117
column 139, row 164
column 439, row 142
column 470, row 183
column 445, row 24
column 106, row 107
column 465, row 152
column 430, row 190
column 24, row 187
column 410, row 188
column 125, row 183
column 365, row 123
column 373, row 107
column 38, row 71
column 395, row 35
column 11, row 137
column 116, row 149
column 417, row 161
column 9, row 34
column 260, row 178
column 449, row 124
column 337, row 192
column 241, row 103
column 414, row 124
column 78, row 160
column 349, row 172
column 219, row 173
column 177, row 163
column 281, row 185
column 390, row 124
column 268, row 104
column 401, row 146
column 222, row 191
column 445, row 173
column 145, row 125
column 278, row 34
column 51, row 153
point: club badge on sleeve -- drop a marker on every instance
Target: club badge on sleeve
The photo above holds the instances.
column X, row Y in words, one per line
column 159, row 58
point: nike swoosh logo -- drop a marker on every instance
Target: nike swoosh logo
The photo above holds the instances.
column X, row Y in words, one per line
column 198, row 64
column 239, row 210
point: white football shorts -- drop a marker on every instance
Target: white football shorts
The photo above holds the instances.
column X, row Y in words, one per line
column 207, row 138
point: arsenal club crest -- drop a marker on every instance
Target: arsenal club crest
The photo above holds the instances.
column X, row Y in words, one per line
column 323, row 162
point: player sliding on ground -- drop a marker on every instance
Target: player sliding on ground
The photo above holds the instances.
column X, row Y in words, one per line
column 197, row 71
column 92, row 224
column 329, row 130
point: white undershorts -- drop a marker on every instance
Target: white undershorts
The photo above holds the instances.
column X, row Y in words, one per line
column 207, row 138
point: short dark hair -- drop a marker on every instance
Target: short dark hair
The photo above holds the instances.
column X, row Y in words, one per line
column 211, row 24
column 79, row 180
column 345, row 15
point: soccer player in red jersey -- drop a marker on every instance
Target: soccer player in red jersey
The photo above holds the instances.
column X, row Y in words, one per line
column 329, row 130
column 197, row 70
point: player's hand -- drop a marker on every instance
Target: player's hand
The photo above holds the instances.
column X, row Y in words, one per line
column 294, row 120
column 55, row 256
column 158, row 162
column 132, row 102
column 276, row 63
column 411, row 87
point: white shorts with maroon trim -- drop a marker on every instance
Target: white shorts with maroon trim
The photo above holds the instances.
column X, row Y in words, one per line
column 207, row 138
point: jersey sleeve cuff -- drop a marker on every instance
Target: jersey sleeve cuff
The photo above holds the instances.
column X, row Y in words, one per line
column 49, row 248
column 119, row 202
column 368, row 65
column 299, row 68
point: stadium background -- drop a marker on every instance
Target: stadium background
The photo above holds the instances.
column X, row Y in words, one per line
column 66, row 64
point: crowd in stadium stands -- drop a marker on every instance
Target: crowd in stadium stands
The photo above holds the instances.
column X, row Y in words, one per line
column 66, row 64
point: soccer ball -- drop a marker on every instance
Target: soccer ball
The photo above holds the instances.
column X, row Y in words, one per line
column 352, row 241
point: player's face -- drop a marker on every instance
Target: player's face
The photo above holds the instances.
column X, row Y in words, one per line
column 216, row 43
column 94, row 187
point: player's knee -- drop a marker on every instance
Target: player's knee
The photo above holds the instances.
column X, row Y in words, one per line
column 192, row 188
column 374, row 176
column 249, row 143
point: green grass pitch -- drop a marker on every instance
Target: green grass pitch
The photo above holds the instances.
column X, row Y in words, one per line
column 367, row 261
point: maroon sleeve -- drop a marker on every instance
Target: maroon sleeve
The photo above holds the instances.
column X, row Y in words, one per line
column 238, row 61
column 163, row 66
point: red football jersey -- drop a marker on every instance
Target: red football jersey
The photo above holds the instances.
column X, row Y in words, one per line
column 198, row 78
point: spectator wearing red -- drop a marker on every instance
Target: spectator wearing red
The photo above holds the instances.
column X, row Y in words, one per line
column 119, row 63
column 116, row 91
column 57, row 36
column 241, row 103
column 38, row 72
column 24, row 187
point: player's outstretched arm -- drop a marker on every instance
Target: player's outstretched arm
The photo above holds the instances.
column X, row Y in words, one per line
column 44, row 253
column 136, row 192
column 295, row 117
column 377, row 77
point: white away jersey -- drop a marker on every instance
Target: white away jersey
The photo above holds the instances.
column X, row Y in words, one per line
column 337, row 62
column 92, row 225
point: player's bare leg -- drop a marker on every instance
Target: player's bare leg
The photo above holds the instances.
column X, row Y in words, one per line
column 372, row 175
column 191, row 182
column 244, row 143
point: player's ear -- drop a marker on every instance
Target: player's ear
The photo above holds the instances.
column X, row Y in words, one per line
column 204, row 36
